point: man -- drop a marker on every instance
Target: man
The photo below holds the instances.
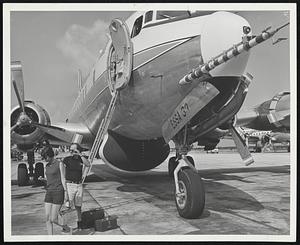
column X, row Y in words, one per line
column 75, row 166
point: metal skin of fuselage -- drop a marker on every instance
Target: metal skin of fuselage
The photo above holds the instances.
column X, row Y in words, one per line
column 163, row 54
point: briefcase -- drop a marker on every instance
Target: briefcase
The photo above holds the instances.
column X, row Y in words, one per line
column 88, row 217
column 108, row 223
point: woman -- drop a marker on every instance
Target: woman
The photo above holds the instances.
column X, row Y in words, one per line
column 56, row 188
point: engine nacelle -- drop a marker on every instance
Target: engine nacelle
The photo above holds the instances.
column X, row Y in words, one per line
column 27, row 135
column 131, row 155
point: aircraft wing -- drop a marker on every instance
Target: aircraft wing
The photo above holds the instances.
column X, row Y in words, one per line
column 66, row 133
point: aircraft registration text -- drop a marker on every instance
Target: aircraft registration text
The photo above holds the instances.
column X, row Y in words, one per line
column 179, row 115
column 192, row 103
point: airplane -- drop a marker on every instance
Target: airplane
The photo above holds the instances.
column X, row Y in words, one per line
column 273, row 114
column 172, row 75
column 270, row 118
column 264, row 139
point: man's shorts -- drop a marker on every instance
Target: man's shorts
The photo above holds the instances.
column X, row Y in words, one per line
column 55, row 196
column 75, row 193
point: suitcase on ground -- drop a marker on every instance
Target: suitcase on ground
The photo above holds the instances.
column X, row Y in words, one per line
column 108, row 223
column 89, row 217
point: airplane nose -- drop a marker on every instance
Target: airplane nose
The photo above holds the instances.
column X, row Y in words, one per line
column 221, row 31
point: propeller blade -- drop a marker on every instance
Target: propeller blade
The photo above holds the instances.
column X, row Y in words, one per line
column 277, row 116
column 13, row 127
column 282, row 114
column 241, row 146
column 21, row 102
column 18, row 83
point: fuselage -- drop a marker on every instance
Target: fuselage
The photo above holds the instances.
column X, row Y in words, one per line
column 163, row 52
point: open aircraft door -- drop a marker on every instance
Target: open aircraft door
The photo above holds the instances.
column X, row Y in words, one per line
column 120, row 56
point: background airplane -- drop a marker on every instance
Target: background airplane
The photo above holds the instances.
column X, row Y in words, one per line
column 264, row 140
column 268, row 122
column 159, row 96
column 273, row 114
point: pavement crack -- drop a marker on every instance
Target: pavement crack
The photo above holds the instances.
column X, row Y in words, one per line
column 255, row 221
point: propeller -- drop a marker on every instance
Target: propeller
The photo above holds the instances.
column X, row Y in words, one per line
column 18, row 84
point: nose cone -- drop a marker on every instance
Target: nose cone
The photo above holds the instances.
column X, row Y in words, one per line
column 221, row 31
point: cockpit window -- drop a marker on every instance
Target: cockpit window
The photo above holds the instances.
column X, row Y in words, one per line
column 170, row 14
column 148, row 16
column 137, row 27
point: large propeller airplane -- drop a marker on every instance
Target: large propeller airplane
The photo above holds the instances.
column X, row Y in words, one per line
column 164, row 75
column 273, row 114
column 268, row 122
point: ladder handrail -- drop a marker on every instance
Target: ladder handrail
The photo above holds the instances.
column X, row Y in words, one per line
column 101, row 131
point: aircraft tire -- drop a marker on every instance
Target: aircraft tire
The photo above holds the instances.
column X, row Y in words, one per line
column 172, row 165
column 190, row 204
column 39, row 171
column 191, row 160
column 22, row 174
column 258, row 149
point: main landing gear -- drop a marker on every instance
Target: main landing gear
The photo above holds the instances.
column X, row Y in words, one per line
column 189, row 188
column 30, row 175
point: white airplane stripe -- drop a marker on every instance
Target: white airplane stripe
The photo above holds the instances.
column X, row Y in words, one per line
column 154, row 52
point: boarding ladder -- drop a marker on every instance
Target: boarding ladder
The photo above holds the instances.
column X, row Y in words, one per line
column 119, row 68
column 103, row 126
column 102, row 131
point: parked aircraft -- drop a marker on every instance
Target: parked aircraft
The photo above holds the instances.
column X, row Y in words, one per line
column 273, row 114
column 264, row 139
column 268, row 122
column 179, row 76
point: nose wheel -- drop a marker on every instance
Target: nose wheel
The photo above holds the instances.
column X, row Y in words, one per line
column 189, row 188
column 190, row 198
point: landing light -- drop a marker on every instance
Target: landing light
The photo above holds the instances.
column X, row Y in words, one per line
column 246, row 29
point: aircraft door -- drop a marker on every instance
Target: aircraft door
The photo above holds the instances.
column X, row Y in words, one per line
column 120, row 56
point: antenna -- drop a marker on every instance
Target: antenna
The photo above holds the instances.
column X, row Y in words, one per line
column 79, row 79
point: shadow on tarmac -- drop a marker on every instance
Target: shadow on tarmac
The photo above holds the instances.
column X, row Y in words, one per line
column 220, row 197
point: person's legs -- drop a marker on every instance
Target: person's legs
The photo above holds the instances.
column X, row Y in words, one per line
column 48, row 208
column 54, row 214
column 58, row 199
column 78, row 203
column 78, row 210
column 71, row 189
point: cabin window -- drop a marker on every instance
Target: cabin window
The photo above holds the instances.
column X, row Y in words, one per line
column 170, row 14
column 148, row 16
column 137, row 27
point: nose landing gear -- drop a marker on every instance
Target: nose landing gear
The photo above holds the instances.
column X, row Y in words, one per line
column 173, row 162
column 189, row 188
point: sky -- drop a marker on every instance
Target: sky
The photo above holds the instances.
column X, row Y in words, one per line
column 53, row 45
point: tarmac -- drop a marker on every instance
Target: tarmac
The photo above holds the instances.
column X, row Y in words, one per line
column 252, row 200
